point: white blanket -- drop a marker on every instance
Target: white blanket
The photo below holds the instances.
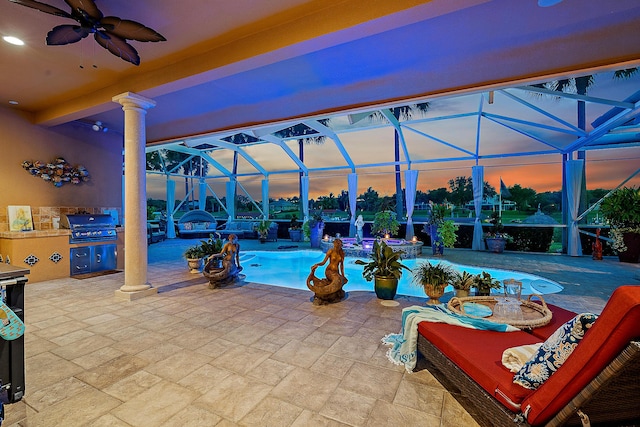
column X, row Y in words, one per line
column 515, row 357
column 404, row 350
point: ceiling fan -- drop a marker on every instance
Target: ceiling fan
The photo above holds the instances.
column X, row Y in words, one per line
column 110, row 32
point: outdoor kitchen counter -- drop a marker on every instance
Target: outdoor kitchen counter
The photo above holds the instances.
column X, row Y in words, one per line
column 32, row 234
column 45, row 252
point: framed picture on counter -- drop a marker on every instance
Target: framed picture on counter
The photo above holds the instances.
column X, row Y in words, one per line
column 20, row 218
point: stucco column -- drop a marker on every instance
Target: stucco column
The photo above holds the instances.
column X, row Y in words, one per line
column 135, row 199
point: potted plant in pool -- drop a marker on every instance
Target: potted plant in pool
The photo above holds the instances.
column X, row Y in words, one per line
column 433, row 278
column 295, row 231
column 462, row 282
column 385, row 268
column 483, row 282
column 316, row 226
column 385, row 224
column 496, row 239
column 263, row 230
column 193, row 255
column 622, row 210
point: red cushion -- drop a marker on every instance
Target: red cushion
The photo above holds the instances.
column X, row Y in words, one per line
column 479, row 354
column 618, row 324
column 559, row 318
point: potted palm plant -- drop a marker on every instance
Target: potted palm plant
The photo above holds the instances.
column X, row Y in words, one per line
column 385, row 268
column 193, row 255
column 622, row 210
column 433, row 278
column 484, row 283
column 462, row 283
column 263, row 230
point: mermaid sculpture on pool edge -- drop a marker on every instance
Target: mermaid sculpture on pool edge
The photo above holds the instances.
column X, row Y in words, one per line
column 329, row 289
column 229, row 257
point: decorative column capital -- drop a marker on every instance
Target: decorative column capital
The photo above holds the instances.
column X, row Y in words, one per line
column 133, row 100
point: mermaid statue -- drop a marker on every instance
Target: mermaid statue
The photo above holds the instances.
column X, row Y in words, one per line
column 223, row 267
column 329, row 290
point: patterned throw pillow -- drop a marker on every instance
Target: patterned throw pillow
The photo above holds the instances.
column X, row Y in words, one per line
column 187, row 226
column 553, row 352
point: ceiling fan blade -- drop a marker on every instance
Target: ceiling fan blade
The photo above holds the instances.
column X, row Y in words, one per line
column 131, row 30
column 88, row 6
column 65, row 34
column 42, row 7
column 119, row 47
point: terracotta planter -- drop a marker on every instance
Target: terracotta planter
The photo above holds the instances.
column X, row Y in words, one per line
column 462, row 293
column 483, row 292
column 385, row 287
column 496, row 244
column 632, row 254
column 434, row 292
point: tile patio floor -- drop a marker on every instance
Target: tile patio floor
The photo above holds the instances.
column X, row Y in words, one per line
column 245, row 355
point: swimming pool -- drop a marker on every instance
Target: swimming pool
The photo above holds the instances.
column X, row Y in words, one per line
column 290, row 269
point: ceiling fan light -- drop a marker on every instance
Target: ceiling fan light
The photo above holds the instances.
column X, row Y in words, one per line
column 13, row 40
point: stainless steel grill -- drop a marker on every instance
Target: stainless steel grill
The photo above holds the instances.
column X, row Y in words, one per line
column 91, row 230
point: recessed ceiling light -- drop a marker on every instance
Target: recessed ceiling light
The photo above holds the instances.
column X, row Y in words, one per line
column 12, row 102
column 13, row 40
column 547, row 3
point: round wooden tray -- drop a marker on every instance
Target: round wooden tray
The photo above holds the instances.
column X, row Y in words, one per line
column 534, row 315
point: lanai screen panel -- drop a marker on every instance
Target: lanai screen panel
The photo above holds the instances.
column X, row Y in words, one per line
column 271, row 157
column 442, row 139
column 369, row 146
column 318, row 155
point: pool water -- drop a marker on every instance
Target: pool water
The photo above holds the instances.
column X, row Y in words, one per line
column 290, row 269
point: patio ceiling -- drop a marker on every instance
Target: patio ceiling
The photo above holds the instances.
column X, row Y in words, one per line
column 244, row 63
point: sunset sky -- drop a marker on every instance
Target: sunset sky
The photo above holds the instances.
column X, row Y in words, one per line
column 605, row 168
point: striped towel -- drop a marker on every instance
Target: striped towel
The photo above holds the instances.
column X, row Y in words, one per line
column 515, row 357
column 404, row 345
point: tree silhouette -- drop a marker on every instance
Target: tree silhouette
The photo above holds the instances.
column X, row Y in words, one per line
column 404, row 112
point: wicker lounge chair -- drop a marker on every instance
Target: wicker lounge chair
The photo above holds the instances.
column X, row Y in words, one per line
column 599, row 383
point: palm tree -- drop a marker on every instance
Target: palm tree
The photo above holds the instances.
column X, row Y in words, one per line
column 405, row 112
column 305, row 135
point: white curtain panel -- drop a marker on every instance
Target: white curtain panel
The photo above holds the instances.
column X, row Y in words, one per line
column 265, row 198
column 202, row 195
column 574, row 189
column 410, row 184
column 231, row 196
column 352, row 180
column 171, row 202
column 477, row 178
column 304, row 197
